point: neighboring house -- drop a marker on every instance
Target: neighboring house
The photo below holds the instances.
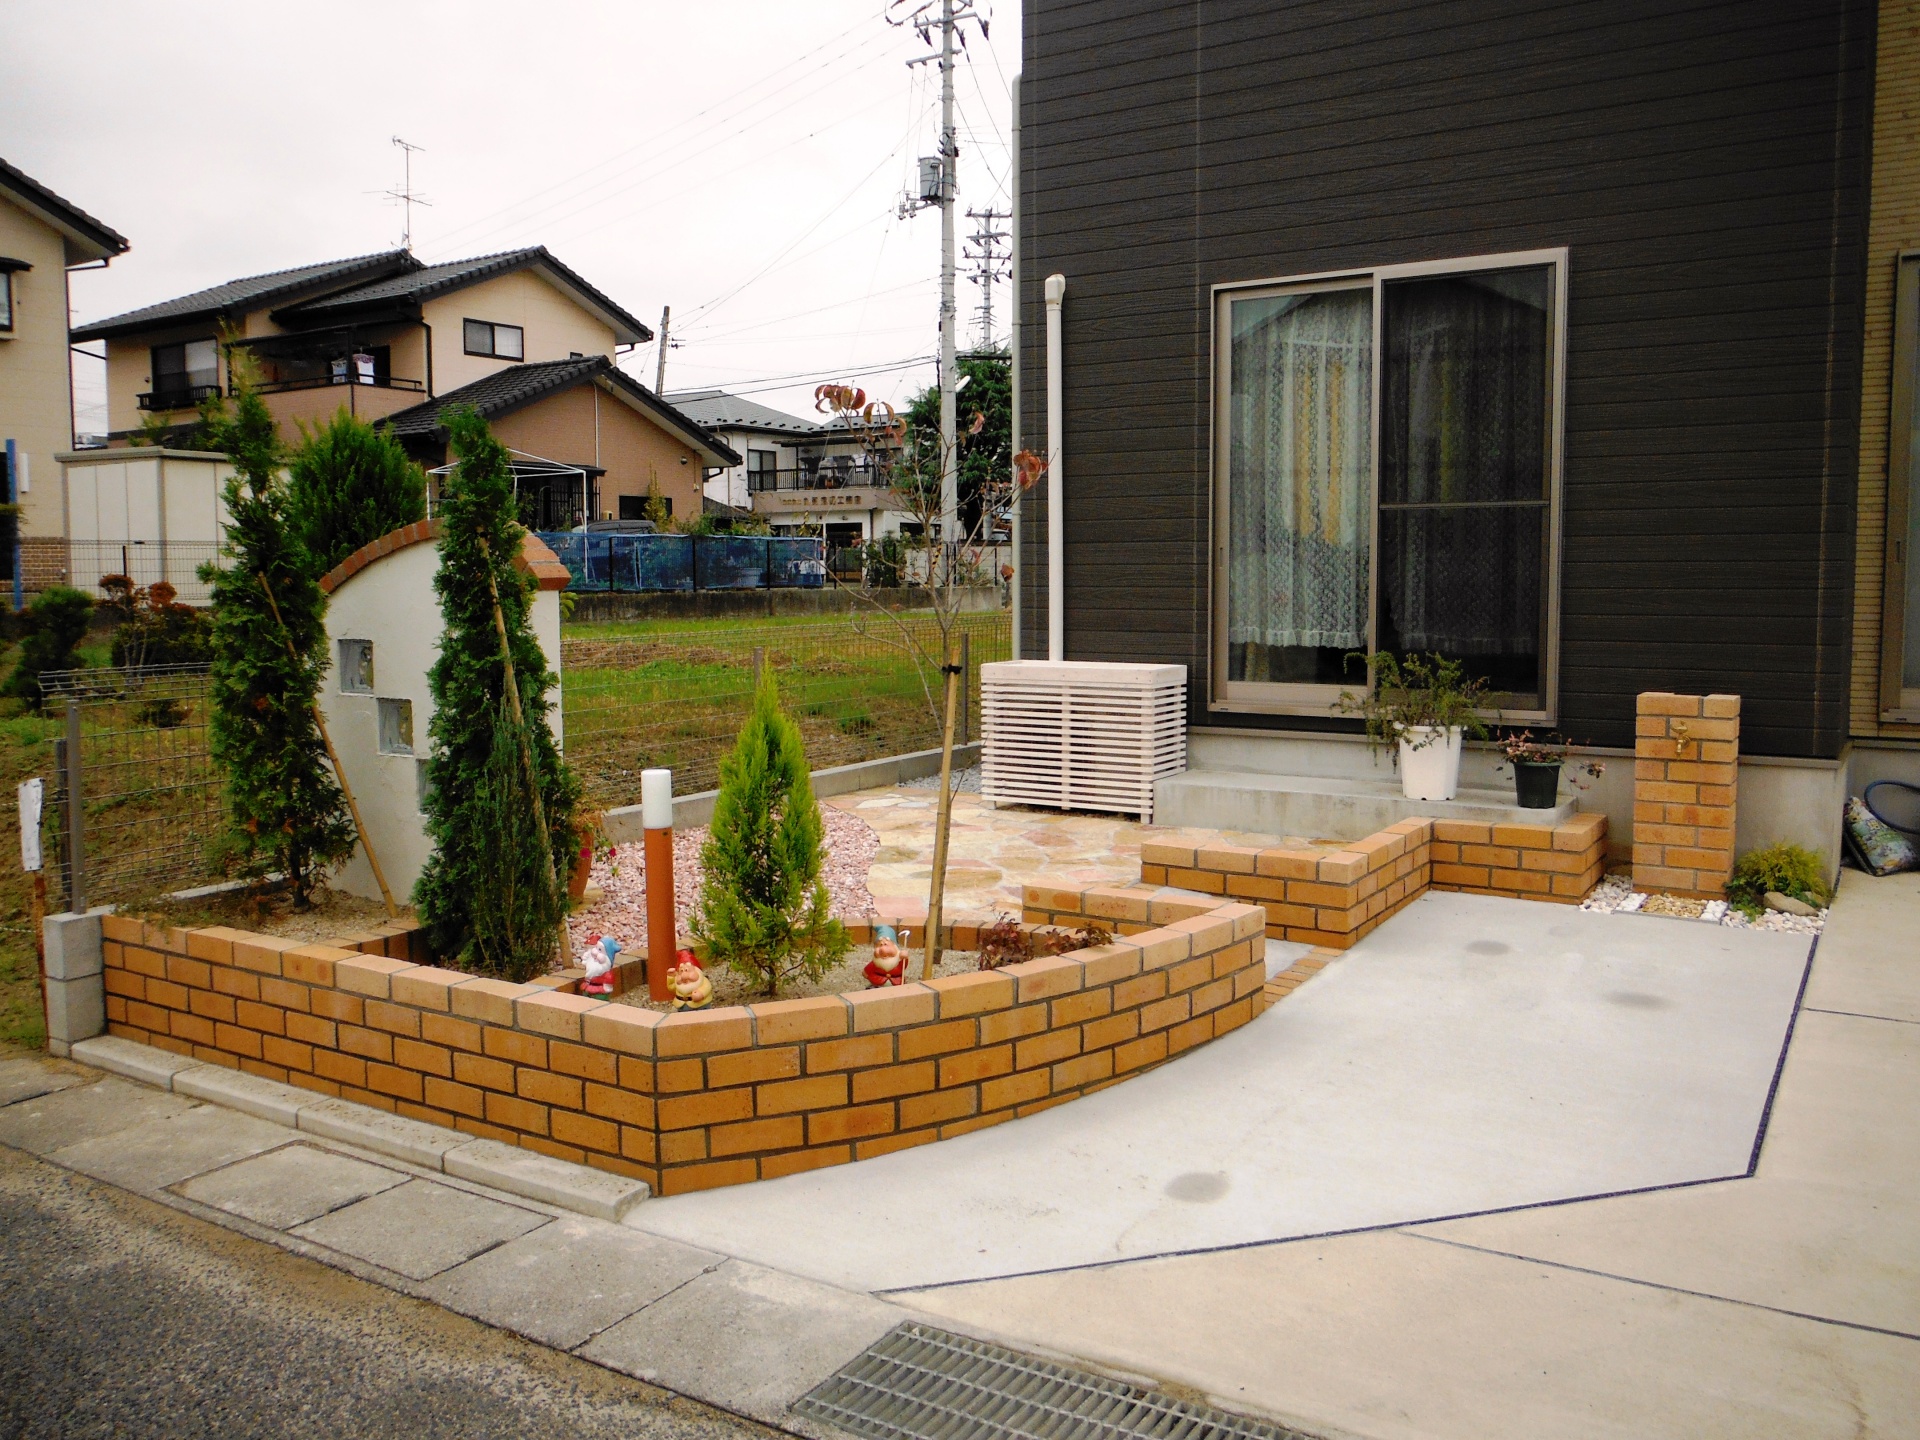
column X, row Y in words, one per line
column 375, row 334
column 42, row 237
column 588, row 440
column 1562, row 342
column 798, row 474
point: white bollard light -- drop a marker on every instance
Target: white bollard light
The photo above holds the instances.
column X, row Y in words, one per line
column 656, row 799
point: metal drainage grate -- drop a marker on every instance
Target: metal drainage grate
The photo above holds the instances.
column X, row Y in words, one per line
column 919, row 1383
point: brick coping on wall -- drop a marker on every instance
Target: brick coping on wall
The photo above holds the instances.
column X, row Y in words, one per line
column 698, row 1099
column 534, row 558
column 1333, row 898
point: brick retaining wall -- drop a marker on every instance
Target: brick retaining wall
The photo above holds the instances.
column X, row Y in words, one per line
column 694, row 1100
column 1333, row 898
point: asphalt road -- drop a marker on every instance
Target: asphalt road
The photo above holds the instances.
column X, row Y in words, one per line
column 121, row 1317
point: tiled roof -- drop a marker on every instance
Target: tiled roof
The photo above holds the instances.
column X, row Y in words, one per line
column 513, row 386
column 248, row 293
column 96, row 235
column 731, row 412
column 425, row 283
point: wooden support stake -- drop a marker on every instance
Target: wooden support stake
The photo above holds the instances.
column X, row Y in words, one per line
column 936, row 897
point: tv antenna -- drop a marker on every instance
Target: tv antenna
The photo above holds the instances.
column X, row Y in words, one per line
column 405, row 195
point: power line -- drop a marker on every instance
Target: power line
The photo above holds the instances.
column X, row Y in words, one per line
column 990, row 263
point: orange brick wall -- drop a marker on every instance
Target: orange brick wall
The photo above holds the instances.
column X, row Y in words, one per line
column 1531, row 862
column 1317, row 896
column 1686, row 775
column 699, row 1099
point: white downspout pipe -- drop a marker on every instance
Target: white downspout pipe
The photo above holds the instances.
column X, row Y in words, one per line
column 1056, row 478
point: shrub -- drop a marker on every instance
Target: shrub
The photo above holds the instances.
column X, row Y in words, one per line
column 55, row 624
column 483, row 897
column 285, row 811
column 763, row 905
column 156, row 629
column 349, row 484
column 1784, row 869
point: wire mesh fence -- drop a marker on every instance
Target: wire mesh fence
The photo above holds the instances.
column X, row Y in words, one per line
column 177, row 562
column 150, row 795
column 854, row 685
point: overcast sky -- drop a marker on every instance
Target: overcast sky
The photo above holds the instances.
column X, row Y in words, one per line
column 740, row 160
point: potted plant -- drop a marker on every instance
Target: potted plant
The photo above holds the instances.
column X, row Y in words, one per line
column 1537, row 765
column 1423, row 707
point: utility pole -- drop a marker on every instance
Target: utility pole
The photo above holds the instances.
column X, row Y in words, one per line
column 940, row 185
column 405, row 194
column 988, row 266
column 660, row 365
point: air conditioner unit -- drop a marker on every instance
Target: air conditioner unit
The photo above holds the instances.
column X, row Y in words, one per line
column 1081, row 734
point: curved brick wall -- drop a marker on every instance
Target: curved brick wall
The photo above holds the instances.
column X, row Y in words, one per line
column 700, row 1099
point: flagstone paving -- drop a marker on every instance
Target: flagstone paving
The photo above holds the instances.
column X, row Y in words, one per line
column 994, row 852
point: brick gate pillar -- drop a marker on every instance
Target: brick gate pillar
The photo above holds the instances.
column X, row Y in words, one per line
column 1686, row 775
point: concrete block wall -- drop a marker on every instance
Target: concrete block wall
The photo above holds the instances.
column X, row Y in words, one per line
column 1686, row 778
column 698, row 1099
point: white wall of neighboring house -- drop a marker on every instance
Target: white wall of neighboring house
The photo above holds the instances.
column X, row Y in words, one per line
column 391, row 604
column 36, row 399
column 554, row 323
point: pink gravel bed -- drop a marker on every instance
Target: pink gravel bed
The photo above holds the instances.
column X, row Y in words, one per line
column 851, row 845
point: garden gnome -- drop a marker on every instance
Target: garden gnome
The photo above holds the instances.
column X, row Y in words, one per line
column 598, row 959
column 692, row 990
column 889, row 963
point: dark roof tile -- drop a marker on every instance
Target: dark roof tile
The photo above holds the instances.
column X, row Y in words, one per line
column 62, row 213
column 251, row 292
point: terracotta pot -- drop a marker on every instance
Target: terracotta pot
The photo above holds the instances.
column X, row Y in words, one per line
column 582, row 872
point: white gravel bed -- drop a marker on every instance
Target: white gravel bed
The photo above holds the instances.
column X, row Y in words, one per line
column 850, row 842
column 1616, row 895
column 966, row 782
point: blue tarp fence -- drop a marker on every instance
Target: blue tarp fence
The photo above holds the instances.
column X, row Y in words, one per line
column 689, row 562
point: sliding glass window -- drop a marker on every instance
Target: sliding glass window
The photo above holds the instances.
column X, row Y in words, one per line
column 1386, row 467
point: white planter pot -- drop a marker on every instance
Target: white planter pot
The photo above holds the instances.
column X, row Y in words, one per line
column 1430, row 770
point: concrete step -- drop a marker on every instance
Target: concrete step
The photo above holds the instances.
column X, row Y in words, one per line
column 1318, row 807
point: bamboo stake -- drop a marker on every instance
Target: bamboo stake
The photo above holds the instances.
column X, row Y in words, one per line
column 937, row 895
column 333, row 758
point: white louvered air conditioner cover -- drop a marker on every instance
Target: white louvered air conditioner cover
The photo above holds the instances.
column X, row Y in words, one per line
column 1080, row 734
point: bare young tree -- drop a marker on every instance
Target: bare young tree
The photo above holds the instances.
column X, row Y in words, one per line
column 909, row 466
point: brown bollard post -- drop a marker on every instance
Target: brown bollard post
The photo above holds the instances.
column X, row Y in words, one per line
column 663, row 938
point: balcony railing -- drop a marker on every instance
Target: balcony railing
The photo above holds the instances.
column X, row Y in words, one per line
column 315, row 382
column 824, row 477
column 178, row 397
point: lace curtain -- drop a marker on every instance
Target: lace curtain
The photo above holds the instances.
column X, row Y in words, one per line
column 1299, row 467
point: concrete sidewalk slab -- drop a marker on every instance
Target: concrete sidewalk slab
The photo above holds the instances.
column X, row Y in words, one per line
column 1875, row 951
column 566, row 1282
column 165, row 1150
column 26, row 1079
column 1390, row 1336
column 52, row 1121
column 1474, row 1053
column 289, row 1186
column 533, row 1176
column 744, row 1337
column 419, row 1229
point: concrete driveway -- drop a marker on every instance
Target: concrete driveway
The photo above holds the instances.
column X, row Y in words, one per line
column 1474, row 1054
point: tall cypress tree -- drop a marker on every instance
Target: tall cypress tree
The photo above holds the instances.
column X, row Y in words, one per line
column 763, row 906
column 349, row 484
column 481, row 896
column 285, row 811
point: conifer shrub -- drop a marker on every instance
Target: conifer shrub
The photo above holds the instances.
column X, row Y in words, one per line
column 285, row 811
column 349, row 484
column 492, row 895
column 54, row 624
column 763, row 907
column 1784, row 869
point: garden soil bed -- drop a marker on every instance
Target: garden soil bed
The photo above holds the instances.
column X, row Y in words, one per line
column 334, row 916
column 732, row 988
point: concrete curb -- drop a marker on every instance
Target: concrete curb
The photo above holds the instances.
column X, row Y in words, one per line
column 524, row 1173
column 622, row 824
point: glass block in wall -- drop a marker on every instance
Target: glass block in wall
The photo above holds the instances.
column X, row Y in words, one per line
column 356, row 667
column 396, row 727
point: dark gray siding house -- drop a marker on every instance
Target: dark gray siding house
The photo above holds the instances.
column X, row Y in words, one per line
column 1529, row 332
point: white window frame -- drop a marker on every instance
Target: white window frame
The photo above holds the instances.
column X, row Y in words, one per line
column 1273, row 698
